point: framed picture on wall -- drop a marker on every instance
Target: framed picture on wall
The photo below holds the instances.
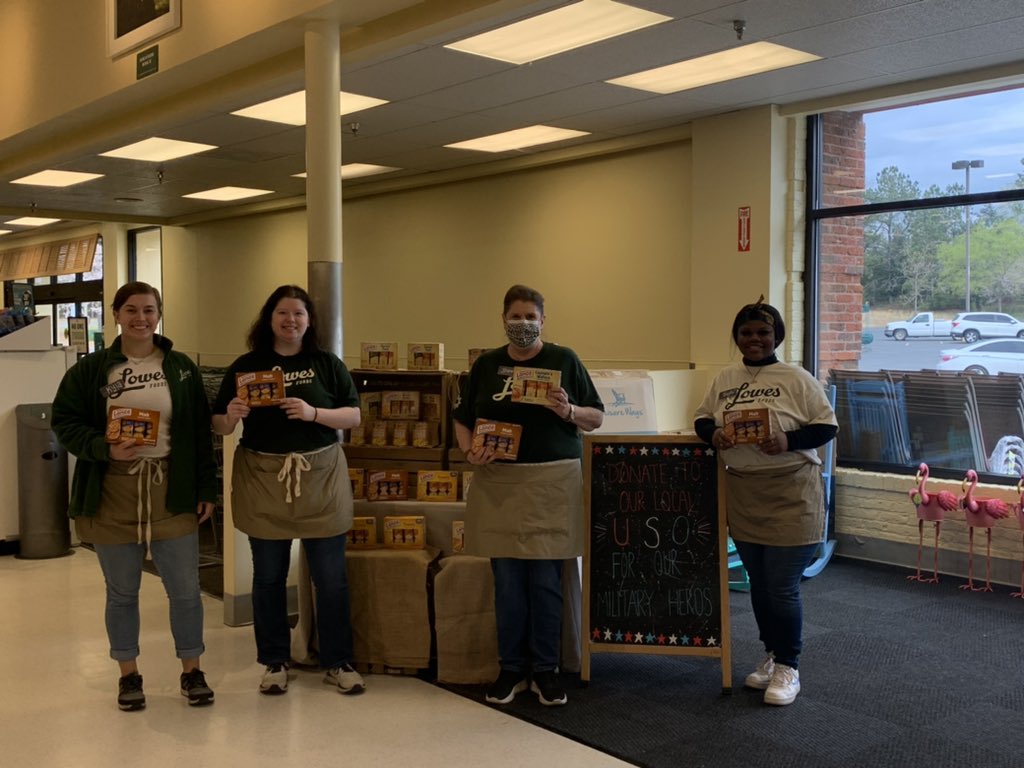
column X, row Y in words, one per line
column 130, row 23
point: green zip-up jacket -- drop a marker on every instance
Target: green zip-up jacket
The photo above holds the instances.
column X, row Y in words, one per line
column 80, row 421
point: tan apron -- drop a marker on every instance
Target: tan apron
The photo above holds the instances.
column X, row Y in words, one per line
column 291, row 495
column 133, row 507
column 782, row 506
column 531, row 511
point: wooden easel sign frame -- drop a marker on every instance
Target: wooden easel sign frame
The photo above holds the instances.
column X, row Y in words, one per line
column 655, row 559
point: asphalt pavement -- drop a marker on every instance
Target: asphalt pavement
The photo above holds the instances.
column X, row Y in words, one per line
column 884, row 354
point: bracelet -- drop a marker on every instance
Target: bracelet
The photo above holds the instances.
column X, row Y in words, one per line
column 572, row 413
column 314, row 414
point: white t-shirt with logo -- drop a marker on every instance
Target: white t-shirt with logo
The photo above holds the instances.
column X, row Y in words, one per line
column 145, row 388
column 793, row 397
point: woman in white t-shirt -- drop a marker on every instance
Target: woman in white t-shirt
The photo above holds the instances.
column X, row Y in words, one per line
column 767, row 418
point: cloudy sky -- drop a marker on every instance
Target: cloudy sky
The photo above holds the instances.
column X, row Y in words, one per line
column 923, row 141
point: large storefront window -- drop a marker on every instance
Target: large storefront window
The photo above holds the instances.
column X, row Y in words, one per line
column 917, row 236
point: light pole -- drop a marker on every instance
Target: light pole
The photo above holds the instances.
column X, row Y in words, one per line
column 966, row 166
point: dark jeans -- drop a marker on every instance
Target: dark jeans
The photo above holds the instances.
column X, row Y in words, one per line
column 326, row 557
column 528, row 610
column 775, row 574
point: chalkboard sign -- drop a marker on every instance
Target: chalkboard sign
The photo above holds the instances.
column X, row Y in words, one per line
column 655, row 564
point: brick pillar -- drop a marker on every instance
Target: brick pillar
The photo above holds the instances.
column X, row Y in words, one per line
column 841, row 251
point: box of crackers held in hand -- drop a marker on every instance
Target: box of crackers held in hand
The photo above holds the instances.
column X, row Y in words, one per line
column 260, row 388
column 425, row 356
column 437, row 485
column 379, row 355
column 405, row 531
column 387, row 485
column 363, row 533
column 499, row 435
column 133, row 424
column 747, row 426
column 531, row 385
column 358, row 479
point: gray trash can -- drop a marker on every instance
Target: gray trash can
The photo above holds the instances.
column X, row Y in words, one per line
column 43, row 526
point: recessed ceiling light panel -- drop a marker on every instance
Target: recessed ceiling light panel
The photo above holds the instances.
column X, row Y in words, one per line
column 354, row 170
column 57, row 178
column 557, row 31
column 520, row 138
column 32, row 221
column 718, row 67
column 157, row 150
column 291, row 109
column 228, row 193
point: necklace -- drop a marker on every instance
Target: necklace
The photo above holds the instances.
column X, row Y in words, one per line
column 140, row 360
column 757, row 372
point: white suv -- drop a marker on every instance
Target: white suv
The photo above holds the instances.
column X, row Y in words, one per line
column 972, row 326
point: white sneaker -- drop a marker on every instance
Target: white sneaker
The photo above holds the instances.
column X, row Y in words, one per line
column 761, row 677
column 346, row 678
column 784, row 687
column 275, row 680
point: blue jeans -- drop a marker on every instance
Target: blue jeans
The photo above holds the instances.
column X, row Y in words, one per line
column 326, row 557
column 528, row 611
column 775, row 574
column 177, row 561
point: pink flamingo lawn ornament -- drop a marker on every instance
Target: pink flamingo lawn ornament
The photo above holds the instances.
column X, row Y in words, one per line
column 980, row 513
column 1019, row 510
column 931, row 508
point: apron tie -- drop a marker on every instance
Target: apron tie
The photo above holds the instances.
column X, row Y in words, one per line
column 294, row 465
column 154, row 474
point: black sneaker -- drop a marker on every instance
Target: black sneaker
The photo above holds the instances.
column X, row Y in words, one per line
column 194, row 687
column 129, row 692
column 505, row 688
column 548, row 688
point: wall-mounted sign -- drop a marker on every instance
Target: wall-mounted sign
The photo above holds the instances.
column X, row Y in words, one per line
column 78, row 334
column 61, row 257
column 743, row 229
column 147, row 62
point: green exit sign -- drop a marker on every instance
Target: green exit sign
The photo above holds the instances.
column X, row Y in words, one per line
column 147, row 62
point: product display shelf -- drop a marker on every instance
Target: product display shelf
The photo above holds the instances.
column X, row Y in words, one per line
column 35, row 336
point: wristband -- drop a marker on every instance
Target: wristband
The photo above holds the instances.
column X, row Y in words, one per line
column 314, row 414
column 572, row 413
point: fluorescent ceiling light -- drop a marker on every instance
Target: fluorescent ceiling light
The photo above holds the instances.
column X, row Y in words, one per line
column 354, row 170
column 156, row 150
column 573, row 26
column 291, row 109
column 5, row 231
column 228, row 193
column 32, row 221
column 518, row 139
column 57, row 178
column 716, row 68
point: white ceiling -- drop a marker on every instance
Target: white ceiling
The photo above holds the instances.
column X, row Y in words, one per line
column 438, row 96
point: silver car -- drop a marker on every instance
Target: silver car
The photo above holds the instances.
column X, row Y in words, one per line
column 973, row 326
column 985, row 357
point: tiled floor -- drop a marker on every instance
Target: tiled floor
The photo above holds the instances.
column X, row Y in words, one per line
column 59, row 688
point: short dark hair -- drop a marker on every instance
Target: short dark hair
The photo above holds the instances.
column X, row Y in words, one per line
column 136, row 288
column 261, row 333
column 764, row 313
column 523, row 293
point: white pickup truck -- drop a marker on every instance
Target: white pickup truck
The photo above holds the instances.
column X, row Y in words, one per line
column 921, row 325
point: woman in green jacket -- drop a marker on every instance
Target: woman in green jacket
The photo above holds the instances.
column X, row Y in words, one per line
column 137, row 419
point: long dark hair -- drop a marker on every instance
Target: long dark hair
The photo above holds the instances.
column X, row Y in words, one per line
column 261, row 333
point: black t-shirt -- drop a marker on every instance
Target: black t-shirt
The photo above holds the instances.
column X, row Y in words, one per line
column 546, row 437
column 321, row 379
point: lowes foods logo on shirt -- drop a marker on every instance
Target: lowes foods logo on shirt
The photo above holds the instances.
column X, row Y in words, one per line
column 745, row 394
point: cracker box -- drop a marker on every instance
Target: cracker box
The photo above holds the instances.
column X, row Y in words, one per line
column 379, row 355
column 379, row 433
column 363, row 533
column 358, row 479
column 425, row 434
column 458, row 536
column 437, row 485
column 531, row 385
column 425, row 356
column 467, row 480
column 133, row 424
column 474, row 353
column 387, row 485
column 357, row 435
column 499, row 435
column 260, row 388
column 747, row 426
column 400, row 405
column 405, row 531
column 401, row 434
column 430, row 406
column 369, row 405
